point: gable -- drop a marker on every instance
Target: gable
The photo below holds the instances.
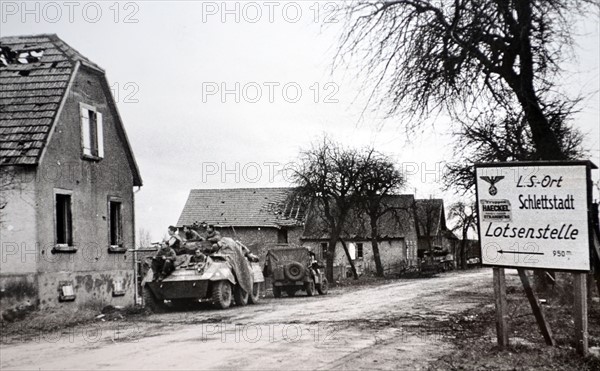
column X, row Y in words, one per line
column 36, row 74
column 430, row 216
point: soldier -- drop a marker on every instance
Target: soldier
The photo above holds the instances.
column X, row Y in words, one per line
column 190, row 235
column 174, row 241
column 163, row 262
column 313, row 263
column 214, row 237
column 198, row 257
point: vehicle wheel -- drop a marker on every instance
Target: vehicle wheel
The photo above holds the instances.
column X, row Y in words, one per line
column 291, row 291
column 221, row 294
column 255, row 294
column 151, row 302
column 276, row 291
column 309, row 287
column 323, row 287
column 294, row 271
column 240, row 296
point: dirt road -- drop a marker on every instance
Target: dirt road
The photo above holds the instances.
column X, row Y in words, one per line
column 376, row 327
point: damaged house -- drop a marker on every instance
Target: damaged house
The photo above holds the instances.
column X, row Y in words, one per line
column 68, row 178
column 410, row 229
column 397, row 238
column 258, row 217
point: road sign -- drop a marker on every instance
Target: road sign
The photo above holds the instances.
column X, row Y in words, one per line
column 535, row 215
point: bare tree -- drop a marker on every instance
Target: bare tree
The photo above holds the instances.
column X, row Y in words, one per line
column 380, row 179
column 144, row 238
column 458, row 56
column 465, row 218
column 494, row 136
column 427, row 218
column 329, row 176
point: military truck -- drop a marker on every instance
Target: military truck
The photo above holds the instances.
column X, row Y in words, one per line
column 211, row 280
column 291, row 269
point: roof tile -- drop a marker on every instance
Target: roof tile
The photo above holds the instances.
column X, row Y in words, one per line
column 31, row 94
column 242, row 207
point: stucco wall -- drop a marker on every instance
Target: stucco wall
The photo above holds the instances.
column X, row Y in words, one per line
column 91, row 184
column 17, row 224
column 260, row 239
column 18, row 240
column 295, row 234
column 392, row 252
column 93, row 289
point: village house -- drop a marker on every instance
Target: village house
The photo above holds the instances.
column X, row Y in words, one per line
column 410, row 229
column 433, row 233
column 397, row 238
column 263, row 217
column 68, row 178
column 258, row 217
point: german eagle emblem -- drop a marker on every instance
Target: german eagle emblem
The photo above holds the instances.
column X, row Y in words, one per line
column 492, row 180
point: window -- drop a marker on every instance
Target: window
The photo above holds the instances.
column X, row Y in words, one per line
column 282, row 236
column 115, row 225
column 359, row 250
column 64, row 222
column 323, row 249
column 92, row 137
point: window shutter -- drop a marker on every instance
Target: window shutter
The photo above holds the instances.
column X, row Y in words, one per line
column 85, row 132
column 100, row 132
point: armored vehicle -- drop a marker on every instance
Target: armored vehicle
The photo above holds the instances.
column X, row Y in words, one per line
column 212, row 278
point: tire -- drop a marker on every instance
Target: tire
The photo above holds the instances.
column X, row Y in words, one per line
column 323, row 287
column 240, row 296
column 291, row 291
column 151, row 302
column 255, row 294
column 221, row 294
column 294, row 271
column 309, row 287
column 276, row 291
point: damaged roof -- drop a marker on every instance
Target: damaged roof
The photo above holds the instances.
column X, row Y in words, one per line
column 396, row 223
column 35, row 75
column 243, row 207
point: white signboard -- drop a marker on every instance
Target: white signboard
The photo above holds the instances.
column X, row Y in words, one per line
column 534, row 217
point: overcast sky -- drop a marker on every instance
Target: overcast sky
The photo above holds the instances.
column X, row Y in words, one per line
column 169, row 63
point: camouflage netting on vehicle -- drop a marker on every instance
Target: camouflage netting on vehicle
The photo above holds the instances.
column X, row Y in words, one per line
column 238, row 262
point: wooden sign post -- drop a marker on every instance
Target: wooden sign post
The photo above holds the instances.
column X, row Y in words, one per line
column 580, row 313
column 501, row 310
column 536, row 215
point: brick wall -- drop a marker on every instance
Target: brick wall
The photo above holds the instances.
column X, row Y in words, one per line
column 259, row 239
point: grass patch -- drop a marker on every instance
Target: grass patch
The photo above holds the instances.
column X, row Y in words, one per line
column 473, row 333
column 43, row 323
